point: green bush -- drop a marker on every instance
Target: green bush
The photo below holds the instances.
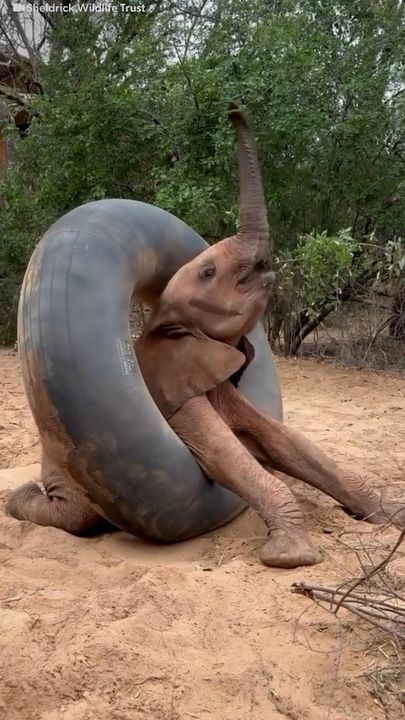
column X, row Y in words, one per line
column 133, row 105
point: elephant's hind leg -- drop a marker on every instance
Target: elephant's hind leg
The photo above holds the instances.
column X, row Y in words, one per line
column 51, row 501
column 229, row 463
column 292, row 453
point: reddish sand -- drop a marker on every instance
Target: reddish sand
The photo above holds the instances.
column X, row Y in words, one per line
column 113, row 628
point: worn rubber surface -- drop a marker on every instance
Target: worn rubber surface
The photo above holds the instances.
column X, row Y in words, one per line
column 96, row 418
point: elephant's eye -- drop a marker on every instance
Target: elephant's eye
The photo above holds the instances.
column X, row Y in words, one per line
column 207, row 272
column 262, row 266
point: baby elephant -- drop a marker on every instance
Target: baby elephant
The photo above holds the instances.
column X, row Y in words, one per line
column 195, row 341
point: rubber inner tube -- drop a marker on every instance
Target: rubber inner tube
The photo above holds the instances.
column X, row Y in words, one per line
column 95, row 416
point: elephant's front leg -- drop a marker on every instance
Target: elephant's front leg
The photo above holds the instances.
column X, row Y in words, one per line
column 292, row 453
column 228, row 462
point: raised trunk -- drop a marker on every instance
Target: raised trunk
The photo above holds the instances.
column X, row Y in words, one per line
column 253, row 225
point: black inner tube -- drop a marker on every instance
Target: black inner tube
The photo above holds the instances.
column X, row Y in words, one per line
column 96, row 418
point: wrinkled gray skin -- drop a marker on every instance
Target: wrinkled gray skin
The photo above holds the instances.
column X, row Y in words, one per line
column 194, row 341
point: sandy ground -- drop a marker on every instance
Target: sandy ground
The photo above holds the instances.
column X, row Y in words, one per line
column 114, row 628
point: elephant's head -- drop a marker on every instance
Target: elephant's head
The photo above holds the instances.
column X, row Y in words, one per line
column 223, row 292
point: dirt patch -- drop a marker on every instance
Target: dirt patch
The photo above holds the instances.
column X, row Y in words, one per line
column 115, row 628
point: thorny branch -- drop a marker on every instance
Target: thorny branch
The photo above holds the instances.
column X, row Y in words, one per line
column 385, row 609
column 374, row 570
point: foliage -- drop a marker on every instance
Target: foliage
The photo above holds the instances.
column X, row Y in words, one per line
column 133, row 105
column 394, row 258
column 324, row 271
column 324, row 265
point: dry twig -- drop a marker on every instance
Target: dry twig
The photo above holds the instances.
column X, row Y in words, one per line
column 384, row 608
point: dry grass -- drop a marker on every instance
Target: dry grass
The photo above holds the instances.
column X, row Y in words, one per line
column 357, row 335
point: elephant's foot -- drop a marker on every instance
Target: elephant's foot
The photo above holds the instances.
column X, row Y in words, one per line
column 289, row 549
column 55, row 504
column 387, row 512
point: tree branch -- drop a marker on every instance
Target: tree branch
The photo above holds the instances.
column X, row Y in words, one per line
column 7, row 92
column 306, row 329
column 43, row 13
column 394, row 95
column 9, row 41
column 19, row 27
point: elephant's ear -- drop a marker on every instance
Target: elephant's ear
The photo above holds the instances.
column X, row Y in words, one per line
column 178, row 363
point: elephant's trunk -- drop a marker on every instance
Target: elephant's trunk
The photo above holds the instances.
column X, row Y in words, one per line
column 253, row 225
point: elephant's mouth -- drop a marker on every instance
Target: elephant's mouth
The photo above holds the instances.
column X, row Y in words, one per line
column 213, row 309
